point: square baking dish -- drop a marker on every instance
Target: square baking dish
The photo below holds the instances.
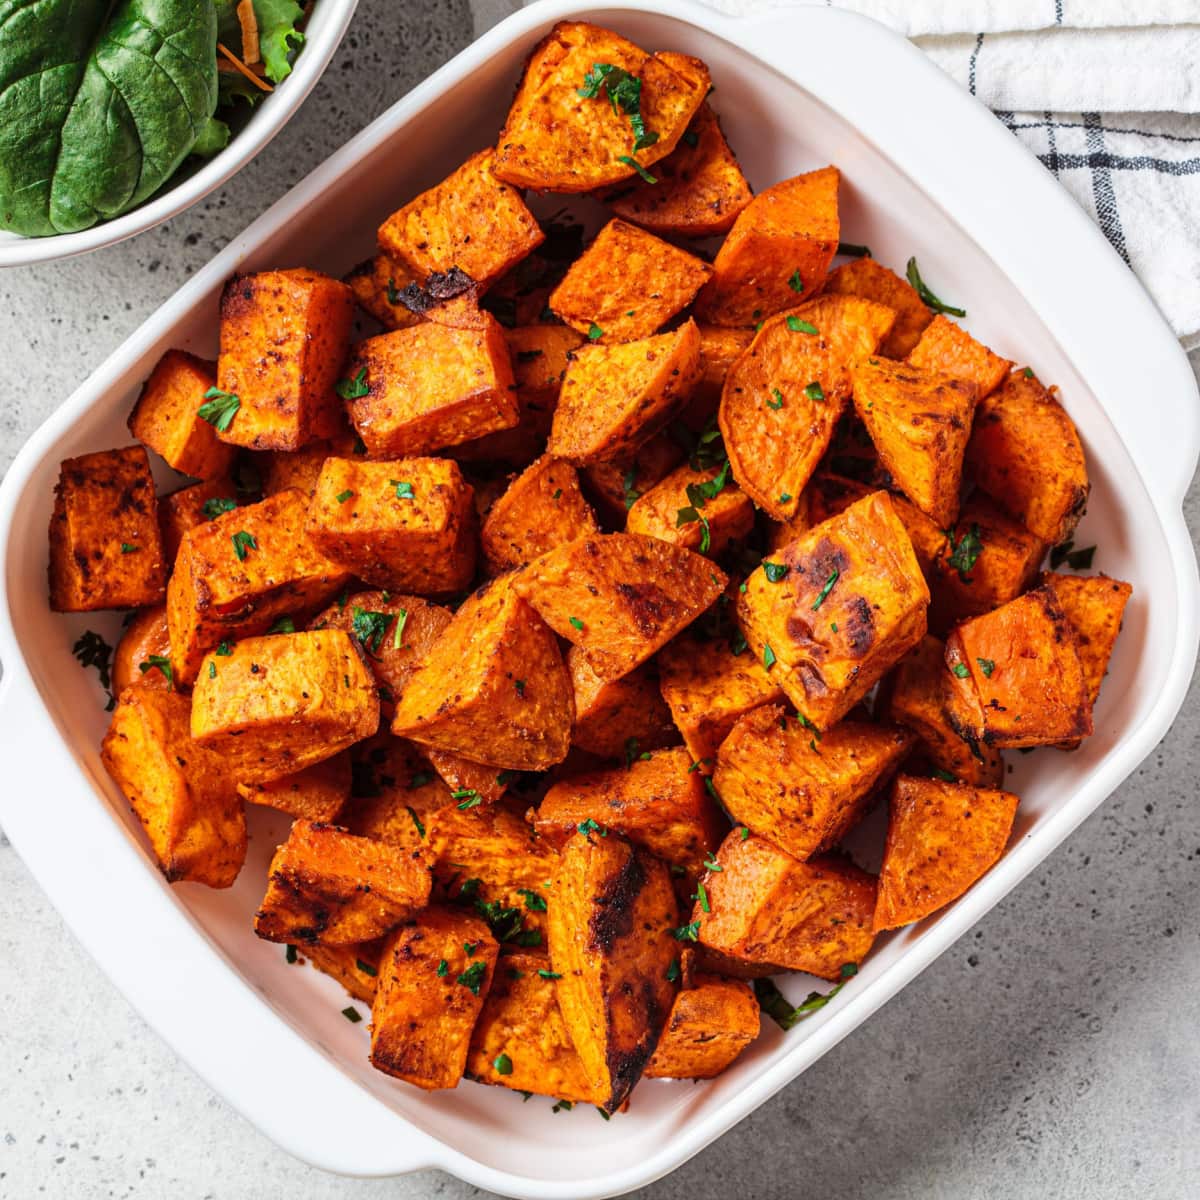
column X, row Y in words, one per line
column 927, row 171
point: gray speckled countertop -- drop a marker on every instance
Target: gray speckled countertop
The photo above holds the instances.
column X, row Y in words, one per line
column 1055, row 1051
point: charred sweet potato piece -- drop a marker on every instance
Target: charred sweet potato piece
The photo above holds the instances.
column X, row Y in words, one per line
column 919, row 421
column 776, row 778
column 431, row 386
column 865, row 277
column 568, row 132
column 167, row 417
column 377, row 284
column 627, row 285
column 284, row 338
column 612, row 714
column 181, row 792
column 947, row 347
column 777, row 252
column 682, row 509
column 784, row 395
column 407, row 525
column 326, row 885
column 616, row 397
column 145, row 636
column 493, row 687
column 434, row 975
column 521, row 1040
column 238, row 573
column 832, row 613
column 275, row 705
column 941, row 838
column 620, row 596
column 1018, row 668
column 317, row 793
column 354, row 966
column 613, row 487
column 699, row 188
column 191, row 506
column 105, row 546
column 710, row 1024
column 1026, row 454
column 610, row 941
column 765, row 907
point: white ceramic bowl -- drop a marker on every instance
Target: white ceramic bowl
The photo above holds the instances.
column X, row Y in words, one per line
column 322, row 35
column 927, row 172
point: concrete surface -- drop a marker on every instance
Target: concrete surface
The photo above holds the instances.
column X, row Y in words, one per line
column 1053, row 1052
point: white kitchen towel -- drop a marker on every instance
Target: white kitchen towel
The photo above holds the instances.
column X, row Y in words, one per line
column 1105, row 92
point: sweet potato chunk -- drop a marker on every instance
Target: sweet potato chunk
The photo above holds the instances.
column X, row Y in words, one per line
column 237, row 574
column 919, row 421
column 354, row 966
column 434, row 975
column 657, row 801
column 182, row 793
column 627, row 285
column 610, row 941
column 167, row 417
column 1025, row 453
column 847, row 602
column 699, row 188
column 784, row 395
column 144, row 636
column 542, row 508
column 941, row 838
column 719, row 350
column 275, row 705
column 431, row 386
column 613, row 714
column 616, row 397
column 766, row 907
column 521, row 1040
column 105, row 546
column 510, row 699
column 710, row 1024
column 777, row 252
column 1019, row 668
column 947, row 347
column 317, row 793
column 613, row 487
column 776, row 778
column 678, row 510
column 190, row 506
column 408, row 525
column 377, row 284
column 557, row 139
column 865, row 277
column 325, row 885
column 284, row 338
column 620, row 596
column 280, row 470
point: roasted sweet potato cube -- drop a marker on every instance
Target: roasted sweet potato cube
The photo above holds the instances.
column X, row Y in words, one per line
column 434, row 975
column 709, row 688
column 317, row 793
column 832, row 613
column 613, row 714
column 611, row 943
column 776, row 778
column 784, row 395
column 181, row 792
column 377, row 284
column 1026, row 454
column 167, row 417
column 627, row 284
column 1018, row 668
column 777, row 252
column 190, row 506
column 867, row 278
column 280, row 470
column 613, row 487
column 941, row 838
column 614, row 398
column 765, row 907
column 145, row 636
column 284, row 338
column 105, row 546
column 620, row 596
column 720, row 348
column 949, row 348
column 408, row 525
column 275, row 705
column 699, row 188
column 681, row 510
column 521, row 1040
column 431, row 386
column 510, row 700
column 567, row 132
column 542, row 508
column 919, row 421
column 710, row 1024
column 238, row 573
column 355, row 966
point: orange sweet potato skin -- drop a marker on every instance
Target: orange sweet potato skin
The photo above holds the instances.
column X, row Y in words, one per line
column 1094, row 605
column 613, row 486
column 348, row 965
column 710, row 1024
column 947, row 347
column 609, row 714
column 377, row 283
column 729, row 514
column 317, row 793
column 185, row 509
column 865, row 277
column 145, row 635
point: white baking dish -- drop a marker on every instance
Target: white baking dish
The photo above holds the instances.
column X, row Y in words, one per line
column 927, row 171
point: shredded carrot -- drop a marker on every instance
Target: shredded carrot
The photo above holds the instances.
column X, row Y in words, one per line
column 249, row 24
column 242, row 69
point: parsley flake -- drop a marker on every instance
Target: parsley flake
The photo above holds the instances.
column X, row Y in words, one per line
column 577, row 623
column 776, row 401
column 796, row 281
column 369, row 628
column 548, row 974
column 503, row 1064
column 824, row 592
column 472, row 978
column 533, row 902
column 775, row 572
column 815, row 391
column 637, row 166
column 412, row 812
column 219, row 408
column 796, row 325
column 987, row 666
column 595, row 333
column 961, row 670
column 404, row 489
column 769, row 658
column 772, row 1001
column 129, row 548
column 466, row 797
column 443, row 969
column 342, row 497
column 927, row 297
column 159, row 662
column 352, row 389
column 687, row 933
column 218, row 505
column 352, row 1015
column 242, row 542
column 673, row 971
column 91, row 650
column 965, row 554
column 852, row 250
column 398, row 635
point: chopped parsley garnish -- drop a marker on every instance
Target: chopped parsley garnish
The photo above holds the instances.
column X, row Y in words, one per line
column 443, row 969
column 687, row 933
column 987, row 666
column 393, row 296
column 590, row 826
column 219, row 408
column 352, row 389
column 225, row 649
column 472, row 978
column 93, row 651
column 218, row 505
column 283, row 625
column 412, row 812
column 469, row 948
column 369, row 628
column 772, row 1001
column 628, row 482
column 815, row 391
column 769, row 658
column 637, row 166
column 404, row 489
column 352, row 1015
column 577, row 623
column 775, row 572
column 965, row 554
column 711, row 864
column 927, row 297
column 503, row 1064
column 852, row 250
column 737, row 642
column 711, row 789
column 702, row 896
column 212, row 670
column 533, row 901
column 944, row 776
column 290, row 954
column 776, row 401
column 796, row 325
column 961, row 670
column 129, row 548
column 1028, row 372
column 796, row 281
column 466, row 797
column 691, row 138
column 563, row 1106
column 548, row 974
column 632, row 755
column 366, row 968
column 595, row 333
column 745, row 832
column 557, row 494
column 1077, row 560
column 784, row 497
column 243, row 541
column 519, row 684
column 342, row 497
column 824, row 592
column 673, row 971
column 398, row 633
column 624, row 94
column 158, row 662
